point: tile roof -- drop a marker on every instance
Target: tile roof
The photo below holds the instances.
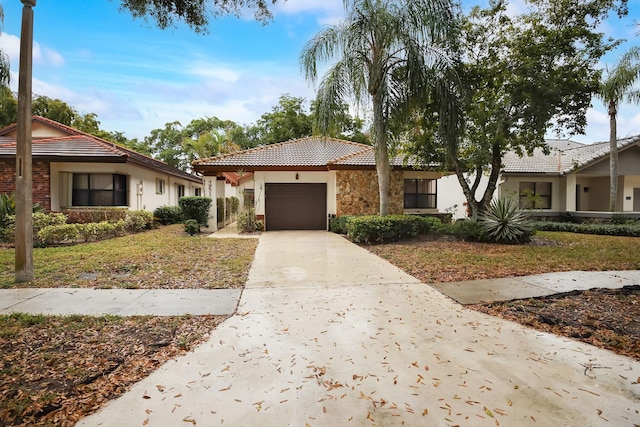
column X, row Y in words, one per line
column 564, row 157
column 81, row 146
column 303, row 152
column 313, row 152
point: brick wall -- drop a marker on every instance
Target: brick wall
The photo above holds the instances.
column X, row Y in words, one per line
column 41, row 180
column 358, row 192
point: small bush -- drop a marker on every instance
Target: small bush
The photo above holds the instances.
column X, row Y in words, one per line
column 192, row 227
column 376, row 229
column 138, row 220
column 41, row 220
column 464, row 229
column 56, row 234
column 235, row 205
column 247, row 222
column 196, row 208
column 220, row 209
column 167, row 215
column 505, row 222
column 338, row 224
column 103, row 229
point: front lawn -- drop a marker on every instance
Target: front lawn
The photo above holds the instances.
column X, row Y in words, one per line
column 445, row 260
column 166, row 258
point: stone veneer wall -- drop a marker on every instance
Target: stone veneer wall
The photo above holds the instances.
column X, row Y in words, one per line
column 358, row 192
column 41, row 179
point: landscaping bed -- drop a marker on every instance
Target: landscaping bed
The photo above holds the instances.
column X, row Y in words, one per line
column 606, row 318
column 56, row 369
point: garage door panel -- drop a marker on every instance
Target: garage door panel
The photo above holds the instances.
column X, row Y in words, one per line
column 296, row 207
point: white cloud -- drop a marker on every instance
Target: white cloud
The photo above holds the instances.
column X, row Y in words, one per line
column 213, row 71
column 10, row 45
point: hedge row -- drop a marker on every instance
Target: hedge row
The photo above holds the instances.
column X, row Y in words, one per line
column 628, row 229
column 377, row 229
column 53, row 228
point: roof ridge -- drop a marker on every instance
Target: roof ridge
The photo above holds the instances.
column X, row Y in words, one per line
column 347, row 156
column 277, row 144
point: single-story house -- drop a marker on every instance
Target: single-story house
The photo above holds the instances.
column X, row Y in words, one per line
column 572, row 178
column 300, row 183
column 75, row 170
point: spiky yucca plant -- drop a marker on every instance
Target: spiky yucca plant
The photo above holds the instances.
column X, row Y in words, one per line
column 505, row 222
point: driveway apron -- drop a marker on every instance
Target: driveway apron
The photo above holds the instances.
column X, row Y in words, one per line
column 328, row 334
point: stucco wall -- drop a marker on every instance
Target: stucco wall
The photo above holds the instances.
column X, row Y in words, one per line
column 357, row 193
column 149, row 200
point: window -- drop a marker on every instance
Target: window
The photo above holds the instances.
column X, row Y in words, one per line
column 99, row 190
column 535, row 195
column 160, row 185
column 197, row 192
column 247, row 198
column 180, row 190
column 420, row 194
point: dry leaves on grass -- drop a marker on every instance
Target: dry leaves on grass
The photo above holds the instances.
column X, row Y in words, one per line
column 54, row 370
column 165, row 258
column 445, row 260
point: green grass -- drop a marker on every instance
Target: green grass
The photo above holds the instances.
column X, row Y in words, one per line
column 162, row 258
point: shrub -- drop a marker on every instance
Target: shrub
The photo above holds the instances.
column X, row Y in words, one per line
column 56, row 234
column 464, row 229
column 235, row 205
column 247, row 222
column 338, row 224
column 505, row 222
column 195, row 207
column 227, row 208
column 167, row 215
column 95, row 214
column 631, row 230
column 138, row 220
column 220, row 209
column 191, row 226
column 41, row 220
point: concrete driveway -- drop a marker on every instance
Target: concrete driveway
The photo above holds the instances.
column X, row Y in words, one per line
column 328, row 334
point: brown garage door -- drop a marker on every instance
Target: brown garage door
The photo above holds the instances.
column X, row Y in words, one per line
column 296, row 207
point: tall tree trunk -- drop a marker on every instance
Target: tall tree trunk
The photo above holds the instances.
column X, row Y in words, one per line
column 383, row 168
column 613, row 156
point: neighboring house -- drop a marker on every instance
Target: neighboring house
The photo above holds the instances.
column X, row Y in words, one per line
column 75, row 170
column 573, row 178
column 299, row 184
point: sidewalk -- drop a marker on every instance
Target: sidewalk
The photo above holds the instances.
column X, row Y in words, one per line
column 121, row 302
column 539, row 285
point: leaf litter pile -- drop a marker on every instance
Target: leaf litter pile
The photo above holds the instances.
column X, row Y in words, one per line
column 54, row 370
column 606, row 318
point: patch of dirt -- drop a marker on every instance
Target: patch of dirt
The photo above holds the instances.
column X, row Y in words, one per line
column 55, row 370
column 606, row 318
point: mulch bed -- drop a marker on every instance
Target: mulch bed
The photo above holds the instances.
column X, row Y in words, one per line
column 606, row 318
column 54, row 372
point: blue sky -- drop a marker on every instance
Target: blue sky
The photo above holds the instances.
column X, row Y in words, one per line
column 136, row 77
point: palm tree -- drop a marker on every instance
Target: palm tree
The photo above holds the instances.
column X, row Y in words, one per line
column 207, row 145
column 617, row 87
column 385, row 51
column 5, row 75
